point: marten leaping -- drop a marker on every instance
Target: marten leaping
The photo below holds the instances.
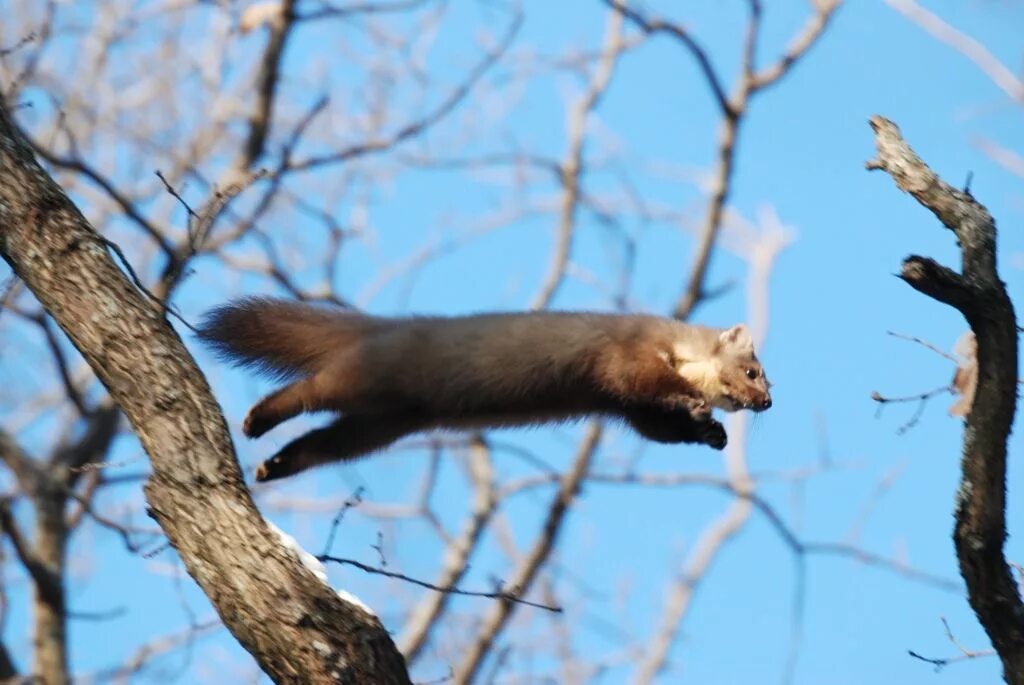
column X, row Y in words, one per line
column 390, row 377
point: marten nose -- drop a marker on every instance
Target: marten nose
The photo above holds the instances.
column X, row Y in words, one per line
column 766, row 402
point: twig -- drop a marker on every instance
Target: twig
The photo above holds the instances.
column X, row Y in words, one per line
column 920, row 398
column 507, row 596
column 354, row 501
column 965, row 654
column 164, row 305
column 192, row 216
column 28, row 38
column 416, row 127
column 933, row 348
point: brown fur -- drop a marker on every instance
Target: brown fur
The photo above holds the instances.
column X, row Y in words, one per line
column 393, row 377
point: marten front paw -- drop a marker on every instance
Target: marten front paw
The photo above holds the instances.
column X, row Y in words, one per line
column 713, row 435
column 694, row 405
column 699, row 408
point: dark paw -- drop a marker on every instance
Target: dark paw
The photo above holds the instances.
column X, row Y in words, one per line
column 272, row 469
column 713, row 435
column 254, row 425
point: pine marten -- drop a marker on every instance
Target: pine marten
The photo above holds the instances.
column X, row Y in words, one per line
column 390, row 377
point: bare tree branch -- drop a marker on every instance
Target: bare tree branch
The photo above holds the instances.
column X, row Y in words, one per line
column 414, row 128
column 455, row 562
column 761, row 257
column 748, row 84
column 979, row 294
column 571, row 170
column 965, row 654
column 801, row 44
column 511, row 595
column 1002, row 76
column 19, row 462
column 532, row 563
column 651, row 26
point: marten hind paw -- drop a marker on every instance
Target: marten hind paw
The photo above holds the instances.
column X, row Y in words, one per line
column 272, row 469
column 255, row 425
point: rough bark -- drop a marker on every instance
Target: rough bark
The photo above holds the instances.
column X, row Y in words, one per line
column 978, row 293
column 297, row 628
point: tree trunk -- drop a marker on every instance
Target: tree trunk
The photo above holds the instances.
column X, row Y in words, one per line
column 296, row 627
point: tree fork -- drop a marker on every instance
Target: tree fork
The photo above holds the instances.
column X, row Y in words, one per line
column 977, row 292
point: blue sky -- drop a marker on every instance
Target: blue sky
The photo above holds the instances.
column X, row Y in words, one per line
column 833, row 298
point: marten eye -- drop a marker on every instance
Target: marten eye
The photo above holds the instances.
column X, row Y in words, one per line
column 752, row 374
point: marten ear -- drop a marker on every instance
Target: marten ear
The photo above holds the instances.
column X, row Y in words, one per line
column 737, row 338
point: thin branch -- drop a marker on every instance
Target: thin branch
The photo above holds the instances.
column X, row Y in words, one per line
column 1002, row 76
column 965, row 654
column 748, row 85
column 654, row 26
column 350, row 503
column 800, row 46
column 923, row 343
column 512, row 596
column 571, row 169
column 761, row 256
column 455, row 563
column 921, row 399
column 24, row 468
column 750, row 45
column 240, row 175
column 60, row 360
column 145, row 654
column 11, row 49
column 266, row 87
column 361, row 8
column 80, row 166
column 532, row 563
column 48, row 584
column 418, row 126
column 1010, row 160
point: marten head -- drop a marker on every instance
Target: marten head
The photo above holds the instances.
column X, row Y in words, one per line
column 740, row 374
column 730, row 377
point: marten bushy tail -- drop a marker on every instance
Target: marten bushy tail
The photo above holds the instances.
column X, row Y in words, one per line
column 282, row 338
